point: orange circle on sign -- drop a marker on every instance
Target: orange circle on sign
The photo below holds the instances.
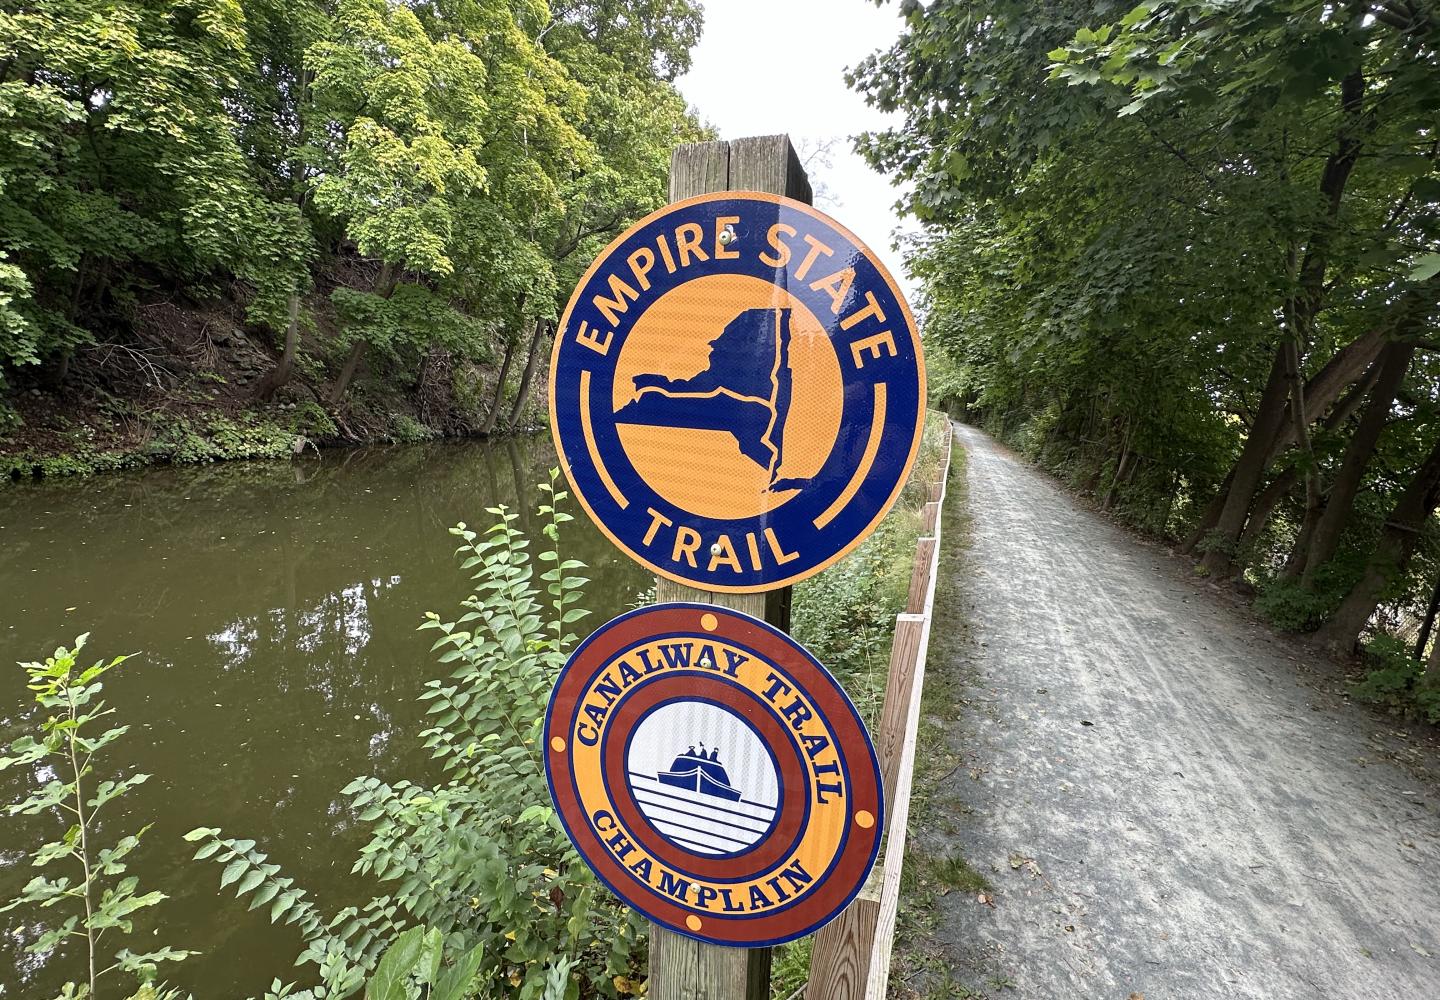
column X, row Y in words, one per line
column 704, row 471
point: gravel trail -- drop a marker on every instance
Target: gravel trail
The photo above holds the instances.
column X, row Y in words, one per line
column 1204, row 818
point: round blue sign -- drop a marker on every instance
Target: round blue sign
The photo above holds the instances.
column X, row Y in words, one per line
column 737, row 391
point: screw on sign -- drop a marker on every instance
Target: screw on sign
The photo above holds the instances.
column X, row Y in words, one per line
column 737, row 391
column 713, row 774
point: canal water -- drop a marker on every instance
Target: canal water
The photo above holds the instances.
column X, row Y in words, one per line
column 272, row 609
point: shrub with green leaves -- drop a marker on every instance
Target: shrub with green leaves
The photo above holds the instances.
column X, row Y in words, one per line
column 94, row 898
column 413, row 965
column 1397, row 680
column 479, row 860
column 846, row 615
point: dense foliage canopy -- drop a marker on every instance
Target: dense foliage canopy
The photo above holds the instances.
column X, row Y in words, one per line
column 407, row 177
column 1189, row 253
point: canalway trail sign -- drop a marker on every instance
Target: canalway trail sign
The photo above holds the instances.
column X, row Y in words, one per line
column 713, row 774
column 737, row 391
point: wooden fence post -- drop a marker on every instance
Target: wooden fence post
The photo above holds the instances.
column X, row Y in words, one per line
column 682, row 968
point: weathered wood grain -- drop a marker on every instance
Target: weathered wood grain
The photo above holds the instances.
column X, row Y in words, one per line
column 929, row 517
column 695, row 971
column 840, row 961
column 681, row 968
column 920, row 576
column 699, row 168
column 901, row 690
column 768, row 163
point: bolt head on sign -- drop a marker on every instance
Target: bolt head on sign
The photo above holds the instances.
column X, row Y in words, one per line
column 713, row 775
column 737, row 391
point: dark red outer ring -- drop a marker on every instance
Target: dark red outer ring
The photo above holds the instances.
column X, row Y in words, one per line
column 843, row 879
column 794, row 773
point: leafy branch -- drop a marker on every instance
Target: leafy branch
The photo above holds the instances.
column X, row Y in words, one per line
column 106, row 901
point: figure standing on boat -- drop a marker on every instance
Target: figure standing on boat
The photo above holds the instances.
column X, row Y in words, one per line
column 700, row 771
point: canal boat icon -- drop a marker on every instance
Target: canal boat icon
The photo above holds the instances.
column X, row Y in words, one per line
column 700, row 772
column 719, row 796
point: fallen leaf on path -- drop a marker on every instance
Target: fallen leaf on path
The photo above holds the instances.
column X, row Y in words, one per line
column 985, row 898
column 1419, row 950
column 1018, row 861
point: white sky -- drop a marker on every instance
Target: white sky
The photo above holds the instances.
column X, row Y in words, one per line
column 768, row 66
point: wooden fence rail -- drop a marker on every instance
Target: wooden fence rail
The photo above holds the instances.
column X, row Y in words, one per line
column 851, row 959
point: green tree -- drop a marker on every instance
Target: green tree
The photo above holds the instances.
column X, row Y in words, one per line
column 117, row 158
column 1185, row 251
column 419, row 182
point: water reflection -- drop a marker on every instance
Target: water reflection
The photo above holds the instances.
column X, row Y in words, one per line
column 274, row 607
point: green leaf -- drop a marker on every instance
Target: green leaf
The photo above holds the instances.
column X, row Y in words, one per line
column 1136, row 15
column 454, row 982
column 1426, row 267
column 233, row 871
column 393, row 972
column 250, row 881
column 534, row 812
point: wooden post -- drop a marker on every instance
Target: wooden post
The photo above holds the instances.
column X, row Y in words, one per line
column 920, row 576
column 682, row 968
column 929, row 518
column 900, row 691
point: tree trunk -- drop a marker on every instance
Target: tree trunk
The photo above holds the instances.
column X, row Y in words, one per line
column 280, row 374
column 1423, row 639
column 1251, row 465
column 1430, row 680
column 384, row 287
column 1395, row 362
column 1398, row 541
column 342, row 382
column 1119, row 468
column 494, row 415
column 1297, row 561
column 1302, row 308
column 1300, row 426
column 1211, row 516
column 1348, row 364
column 1282, row 484
column 542, row 327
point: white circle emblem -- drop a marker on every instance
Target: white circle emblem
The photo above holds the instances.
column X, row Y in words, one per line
column 702, row 778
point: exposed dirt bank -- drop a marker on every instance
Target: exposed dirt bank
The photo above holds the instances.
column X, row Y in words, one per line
column 182, row 383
